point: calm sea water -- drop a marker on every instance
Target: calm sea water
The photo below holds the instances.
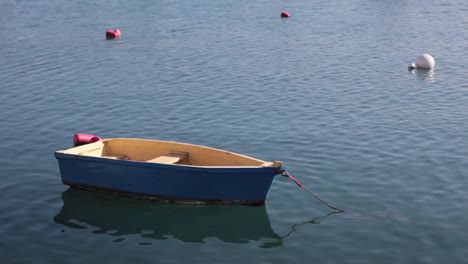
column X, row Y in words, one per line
column 327, row 91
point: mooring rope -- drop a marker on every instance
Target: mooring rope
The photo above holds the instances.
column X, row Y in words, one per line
column 339, row 210
column 285, row 173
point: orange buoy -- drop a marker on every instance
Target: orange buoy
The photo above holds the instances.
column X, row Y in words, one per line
column 285, row 14
column 112, row 34
column 82, row 139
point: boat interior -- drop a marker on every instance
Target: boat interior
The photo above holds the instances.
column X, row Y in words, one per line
column 166, row 152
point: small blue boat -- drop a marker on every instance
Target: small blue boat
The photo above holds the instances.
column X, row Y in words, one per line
column 168, row 171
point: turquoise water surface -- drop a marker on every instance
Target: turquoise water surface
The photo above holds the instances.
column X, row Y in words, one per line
column 326, row 91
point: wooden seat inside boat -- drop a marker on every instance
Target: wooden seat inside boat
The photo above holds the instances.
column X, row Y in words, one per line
column 171, row 158
column 116, row 156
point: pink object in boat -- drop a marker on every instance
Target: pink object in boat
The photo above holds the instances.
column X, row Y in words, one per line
column 111, row 34
column 82, row 139
column 285, row 14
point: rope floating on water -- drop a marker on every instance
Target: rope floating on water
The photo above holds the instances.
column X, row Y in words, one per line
column 288, row 175
column 339, row 210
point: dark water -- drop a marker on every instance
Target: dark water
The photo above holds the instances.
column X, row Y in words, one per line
column 325, row 91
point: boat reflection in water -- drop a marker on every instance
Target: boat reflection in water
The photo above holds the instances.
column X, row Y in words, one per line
column 121, row 216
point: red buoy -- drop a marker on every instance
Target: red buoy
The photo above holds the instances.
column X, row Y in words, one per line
column 82, row 139
column 112, row 34
column 285, row 14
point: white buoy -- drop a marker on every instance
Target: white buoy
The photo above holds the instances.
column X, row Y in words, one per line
column 424, row 61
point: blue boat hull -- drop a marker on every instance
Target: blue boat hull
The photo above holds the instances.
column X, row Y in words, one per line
column 236, row 185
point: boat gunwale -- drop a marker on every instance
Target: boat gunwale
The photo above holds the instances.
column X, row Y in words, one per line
column 220, row 169
column 265, row 164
